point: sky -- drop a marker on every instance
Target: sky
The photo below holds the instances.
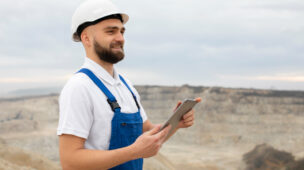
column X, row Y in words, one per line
column 236, row 43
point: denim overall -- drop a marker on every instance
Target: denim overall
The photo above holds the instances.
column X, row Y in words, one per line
column 126, row 127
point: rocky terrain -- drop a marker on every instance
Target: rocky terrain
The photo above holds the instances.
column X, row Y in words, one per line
column 229, row 124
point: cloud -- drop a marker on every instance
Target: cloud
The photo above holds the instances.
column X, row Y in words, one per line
column 285, row 77
column 39, row 79
column 146, row 77
column 282, row 78
column 177, row 42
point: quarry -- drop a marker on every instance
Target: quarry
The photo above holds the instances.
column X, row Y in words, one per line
column 235, row 129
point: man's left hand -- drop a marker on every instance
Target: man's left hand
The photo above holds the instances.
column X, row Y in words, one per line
column 188, row 119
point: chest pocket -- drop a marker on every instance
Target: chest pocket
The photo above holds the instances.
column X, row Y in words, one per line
column 129, row 131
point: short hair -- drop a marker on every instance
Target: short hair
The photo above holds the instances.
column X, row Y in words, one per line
column 86, row 24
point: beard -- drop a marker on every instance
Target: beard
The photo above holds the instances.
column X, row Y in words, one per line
column 107, row 55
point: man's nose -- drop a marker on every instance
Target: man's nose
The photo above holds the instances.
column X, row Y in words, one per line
column 120, row 37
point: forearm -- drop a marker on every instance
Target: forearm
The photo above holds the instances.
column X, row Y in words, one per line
column 85, row 159
column 147, row 125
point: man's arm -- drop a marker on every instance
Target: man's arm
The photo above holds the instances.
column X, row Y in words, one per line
column 147, row 125
column 74, row 156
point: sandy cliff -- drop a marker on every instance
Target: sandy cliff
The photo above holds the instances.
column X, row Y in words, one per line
column 12, row 158
column 229, row 123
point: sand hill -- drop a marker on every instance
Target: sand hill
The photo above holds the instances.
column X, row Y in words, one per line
column 12, row 158
column 229, row 124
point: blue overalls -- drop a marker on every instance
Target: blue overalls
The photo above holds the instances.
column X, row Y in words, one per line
column 126, row 127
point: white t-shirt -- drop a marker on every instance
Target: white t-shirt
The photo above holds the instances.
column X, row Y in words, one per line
column 84, row 110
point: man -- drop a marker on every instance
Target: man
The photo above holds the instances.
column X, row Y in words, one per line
column 102, row 124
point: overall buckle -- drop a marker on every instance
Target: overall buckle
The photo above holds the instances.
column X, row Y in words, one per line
column 114, row 105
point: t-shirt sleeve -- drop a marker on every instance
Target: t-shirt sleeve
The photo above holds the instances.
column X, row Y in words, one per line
column 75, row 110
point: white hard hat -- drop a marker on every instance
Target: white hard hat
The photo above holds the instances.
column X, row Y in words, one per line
column 92, row 10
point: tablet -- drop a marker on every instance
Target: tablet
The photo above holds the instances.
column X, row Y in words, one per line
column 174, row 119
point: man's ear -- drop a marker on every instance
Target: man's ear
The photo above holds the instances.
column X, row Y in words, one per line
column 85, row 38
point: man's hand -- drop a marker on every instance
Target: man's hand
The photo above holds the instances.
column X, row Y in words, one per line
column 149, row 143
column 188, row 119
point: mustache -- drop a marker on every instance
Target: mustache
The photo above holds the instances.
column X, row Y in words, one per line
column 115, row 44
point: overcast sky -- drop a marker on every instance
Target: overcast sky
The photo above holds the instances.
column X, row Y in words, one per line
column 236, row 43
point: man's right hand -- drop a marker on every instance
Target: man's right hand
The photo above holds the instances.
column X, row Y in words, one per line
column 149, row 143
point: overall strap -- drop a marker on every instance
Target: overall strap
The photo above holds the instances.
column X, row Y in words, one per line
column 111, row 99
column 123, row 80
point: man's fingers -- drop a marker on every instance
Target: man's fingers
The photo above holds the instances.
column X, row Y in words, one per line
column 154, row 130
column 188, row 119
column 189, row 114
column 164, row 132
column 190, row 123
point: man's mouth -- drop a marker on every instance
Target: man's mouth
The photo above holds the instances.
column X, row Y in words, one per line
column 117, row 47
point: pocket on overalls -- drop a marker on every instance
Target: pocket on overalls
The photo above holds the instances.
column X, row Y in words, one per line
column 130, row 131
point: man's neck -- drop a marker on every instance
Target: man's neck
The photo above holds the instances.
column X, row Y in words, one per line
column 107, row 66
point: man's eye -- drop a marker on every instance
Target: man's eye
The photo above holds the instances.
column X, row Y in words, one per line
column 110, row 32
